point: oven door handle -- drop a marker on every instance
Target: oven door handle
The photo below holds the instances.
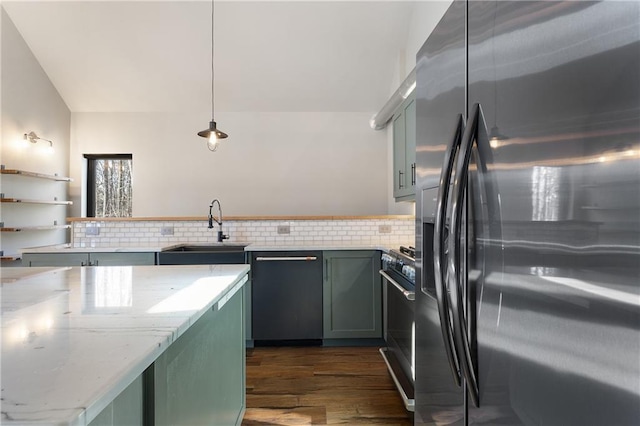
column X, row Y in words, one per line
column 409, row 295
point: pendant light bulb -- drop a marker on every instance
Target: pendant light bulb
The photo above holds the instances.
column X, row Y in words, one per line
column 213, row 142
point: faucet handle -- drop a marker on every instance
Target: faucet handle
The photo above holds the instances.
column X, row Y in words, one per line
column 222, row 237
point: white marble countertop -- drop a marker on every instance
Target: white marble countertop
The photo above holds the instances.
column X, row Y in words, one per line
column 66, row 248
column 74, row 338
column 318, row 246
column 272, row 246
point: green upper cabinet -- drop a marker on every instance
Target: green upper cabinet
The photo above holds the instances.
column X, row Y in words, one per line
column 352, row 295
column 404, row 150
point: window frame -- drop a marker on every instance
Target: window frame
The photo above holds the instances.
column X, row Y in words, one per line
column 91, row 177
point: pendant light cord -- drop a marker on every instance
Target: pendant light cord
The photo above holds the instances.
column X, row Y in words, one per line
column 212, row 51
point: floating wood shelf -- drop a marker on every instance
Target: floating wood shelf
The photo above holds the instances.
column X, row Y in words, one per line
column 33, row 228
column 35, row 175
column 25, row 201
column 33, row 181
column 14, row 257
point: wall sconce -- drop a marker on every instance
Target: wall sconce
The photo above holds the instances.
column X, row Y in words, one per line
column 33, row 138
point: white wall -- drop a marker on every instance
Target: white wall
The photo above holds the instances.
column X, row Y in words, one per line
column 31, row 103
column 426, row 16
column 291, row 163
column 272, row 163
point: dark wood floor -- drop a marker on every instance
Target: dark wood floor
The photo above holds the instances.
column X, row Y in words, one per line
column 320, row 386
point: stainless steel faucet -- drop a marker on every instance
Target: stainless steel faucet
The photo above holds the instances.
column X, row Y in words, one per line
column 221, row 236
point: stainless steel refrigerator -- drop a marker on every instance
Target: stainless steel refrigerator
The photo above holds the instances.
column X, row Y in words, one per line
column 528, row 215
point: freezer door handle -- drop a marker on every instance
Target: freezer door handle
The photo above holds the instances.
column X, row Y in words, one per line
column 439, row 252
column 454, row 272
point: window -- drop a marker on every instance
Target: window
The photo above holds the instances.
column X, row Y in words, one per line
column 109, row 190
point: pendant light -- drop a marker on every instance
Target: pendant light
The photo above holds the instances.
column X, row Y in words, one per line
column 495, row 137
column 212, row 133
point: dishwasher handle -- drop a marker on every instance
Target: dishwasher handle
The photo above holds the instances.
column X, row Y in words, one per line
column 409, row 295
column 286, row 258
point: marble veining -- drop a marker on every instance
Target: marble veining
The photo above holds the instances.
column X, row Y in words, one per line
column 74, row 338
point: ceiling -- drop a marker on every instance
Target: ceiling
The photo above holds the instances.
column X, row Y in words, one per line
column 139, row 56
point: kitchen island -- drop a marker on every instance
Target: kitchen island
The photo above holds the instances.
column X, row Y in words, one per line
column 123, row 345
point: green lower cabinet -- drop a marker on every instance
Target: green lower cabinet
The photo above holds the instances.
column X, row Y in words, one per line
column 89, row 259
column 126, row 409
column 122, row 259
column 55, row 259
column 352, row 295
column 200, row 378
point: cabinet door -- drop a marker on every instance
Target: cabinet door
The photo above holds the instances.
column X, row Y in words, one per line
column 404, row 151
column 410, row 146
column 352, row 295
column 399, row 156
column 55, row 259
column 122, row 259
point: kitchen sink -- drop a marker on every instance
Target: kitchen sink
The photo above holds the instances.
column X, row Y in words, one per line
column 211, row 248
column 202, row 254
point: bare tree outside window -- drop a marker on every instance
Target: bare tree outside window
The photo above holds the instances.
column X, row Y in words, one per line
column 109, row 186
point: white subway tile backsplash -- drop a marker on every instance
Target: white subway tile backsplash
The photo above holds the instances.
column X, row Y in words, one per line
column 114, row 233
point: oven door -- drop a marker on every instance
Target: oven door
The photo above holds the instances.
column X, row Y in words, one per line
column 400, row 334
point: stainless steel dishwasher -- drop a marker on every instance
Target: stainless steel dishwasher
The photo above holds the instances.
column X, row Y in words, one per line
column 287, row 297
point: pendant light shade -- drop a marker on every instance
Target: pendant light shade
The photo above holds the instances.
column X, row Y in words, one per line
column 212, row 133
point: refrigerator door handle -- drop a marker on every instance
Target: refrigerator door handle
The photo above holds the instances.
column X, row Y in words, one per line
column 439, row 251
column 457, row 210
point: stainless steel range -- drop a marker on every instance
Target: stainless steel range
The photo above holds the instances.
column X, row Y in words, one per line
column 398, row 273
